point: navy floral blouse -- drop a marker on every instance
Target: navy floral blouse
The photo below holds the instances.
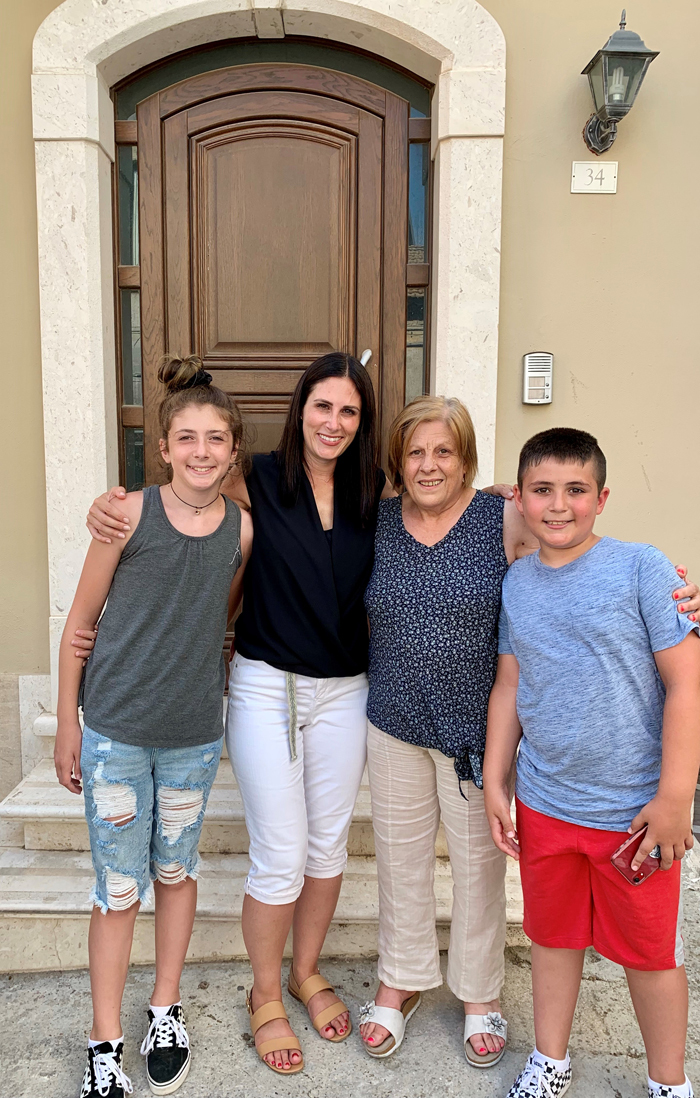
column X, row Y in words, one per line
column 433, row 614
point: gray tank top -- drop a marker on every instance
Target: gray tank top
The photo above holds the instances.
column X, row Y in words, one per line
column 156, row 675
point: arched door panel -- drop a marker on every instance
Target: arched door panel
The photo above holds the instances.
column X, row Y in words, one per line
column 273, row 230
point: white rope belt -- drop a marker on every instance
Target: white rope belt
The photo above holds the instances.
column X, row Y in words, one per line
column 291, row 682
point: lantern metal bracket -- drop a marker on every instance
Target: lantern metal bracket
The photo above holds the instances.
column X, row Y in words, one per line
column 615, row 76
column 599, row 136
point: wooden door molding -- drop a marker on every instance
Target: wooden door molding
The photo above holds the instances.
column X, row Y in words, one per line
column 262, row 77
column 391, row 394
column 214, row 313
column 292, row 181
column 272, row 104
column 153, row 316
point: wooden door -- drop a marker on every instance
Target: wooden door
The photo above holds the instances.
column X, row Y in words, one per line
column 273, row 210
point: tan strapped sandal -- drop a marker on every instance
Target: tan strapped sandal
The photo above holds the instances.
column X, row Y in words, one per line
column 310, row 987
column 268, row 1012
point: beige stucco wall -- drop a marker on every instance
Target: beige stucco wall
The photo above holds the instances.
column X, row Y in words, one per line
column 609, row 284
column 23, row 553
column 606, row 283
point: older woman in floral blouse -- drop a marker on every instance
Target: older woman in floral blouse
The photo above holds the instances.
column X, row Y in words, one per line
column 442, row 549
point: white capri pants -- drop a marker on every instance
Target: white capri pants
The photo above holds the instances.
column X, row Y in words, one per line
column 298, row 812
column 411, row 788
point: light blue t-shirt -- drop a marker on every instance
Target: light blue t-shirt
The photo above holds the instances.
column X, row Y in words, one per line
column 590, row 699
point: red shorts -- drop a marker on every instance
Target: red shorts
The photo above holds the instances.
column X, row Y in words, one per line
column 575, row 898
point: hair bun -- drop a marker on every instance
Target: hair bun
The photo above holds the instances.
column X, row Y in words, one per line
column 200, row 378
column 182, row 373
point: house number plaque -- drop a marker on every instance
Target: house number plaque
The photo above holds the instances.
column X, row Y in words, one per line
column 594, row 177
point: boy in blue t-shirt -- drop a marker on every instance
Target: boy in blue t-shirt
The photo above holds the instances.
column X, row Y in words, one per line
column 599, row 684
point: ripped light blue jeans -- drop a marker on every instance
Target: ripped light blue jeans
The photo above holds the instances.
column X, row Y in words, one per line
column 144, row 809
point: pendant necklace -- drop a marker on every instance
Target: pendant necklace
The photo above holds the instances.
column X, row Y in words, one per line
column 197, row 507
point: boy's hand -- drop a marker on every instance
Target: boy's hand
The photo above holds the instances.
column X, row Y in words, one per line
column 66, row 756
column 503, row 833
column 668, row 825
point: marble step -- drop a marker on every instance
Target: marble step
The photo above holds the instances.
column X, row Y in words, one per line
column 44, row 910
column 45, row 725
column 40, row 814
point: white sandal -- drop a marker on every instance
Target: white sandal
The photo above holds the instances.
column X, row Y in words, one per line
column 493, row 1023
column 391, row 1019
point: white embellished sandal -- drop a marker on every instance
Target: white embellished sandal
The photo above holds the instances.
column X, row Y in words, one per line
column 493, row 1023
column 391, row 1019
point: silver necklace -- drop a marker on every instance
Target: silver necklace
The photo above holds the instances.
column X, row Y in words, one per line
column 197, row 507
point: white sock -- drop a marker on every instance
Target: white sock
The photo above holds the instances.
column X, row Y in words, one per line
column 114, row 1043
column 560, row 1065
column 160, row 1012
column 681, row 1090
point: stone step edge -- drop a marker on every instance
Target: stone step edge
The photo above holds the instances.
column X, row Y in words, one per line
column 46, row 724
column 38, row 944
column 43, row 938
column 225, row 801
column 30, row 881
column 215, row 813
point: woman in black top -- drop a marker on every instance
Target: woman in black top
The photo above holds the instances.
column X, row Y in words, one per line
column 296, row 724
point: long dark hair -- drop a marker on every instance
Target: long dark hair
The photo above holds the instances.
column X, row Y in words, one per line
column 355, row 472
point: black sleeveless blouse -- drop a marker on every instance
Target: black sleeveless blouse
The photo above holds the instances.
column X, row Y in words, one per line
column 302, row 591
column 433, row 615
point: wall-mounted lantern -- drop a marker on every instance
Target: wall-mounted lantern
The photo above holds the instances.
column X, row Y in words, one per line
column 615, row 75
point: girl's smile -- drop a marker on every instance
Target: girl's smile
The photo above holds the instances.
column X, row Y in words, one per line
column 199, row 448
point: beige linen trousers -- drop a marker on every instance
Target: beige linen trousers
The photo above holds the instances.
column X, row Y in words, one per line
column 412, row 787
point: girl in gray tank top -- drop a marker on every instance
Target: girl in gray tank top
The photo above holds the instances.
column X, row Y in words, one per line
column 153, row 714
column 157, row 674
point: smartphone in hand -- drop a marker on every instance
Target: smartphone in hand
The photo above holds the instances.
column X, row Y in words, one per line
column 622, row 859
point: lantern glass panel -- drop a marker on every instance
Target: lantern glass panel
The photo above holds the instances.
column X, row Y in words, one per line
column 595, row 79
column 625, row 72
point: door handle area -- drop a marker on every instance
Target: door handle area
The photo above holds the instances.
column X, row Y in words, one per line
column 365, row 357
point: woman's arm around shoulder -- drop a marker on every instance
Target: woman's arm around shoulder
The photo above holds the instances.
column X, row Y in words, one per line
column 388, row 491
column 93, row 587
column 236, row 592
column 107, row 520
column 236, row 489
column 517, row 539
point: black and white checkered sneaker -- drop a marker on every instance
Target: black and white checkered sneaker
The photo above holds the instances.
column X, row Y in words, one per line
column 664, row 1092
column 103, row 1076
column 540, row 1081
column 166, row 1047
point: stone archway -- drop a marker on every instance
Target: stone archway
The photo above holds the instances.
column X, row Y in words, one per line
column 82, row 48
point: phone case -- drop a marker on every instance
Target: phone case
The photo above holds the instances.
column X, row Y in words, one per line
column 622, row 859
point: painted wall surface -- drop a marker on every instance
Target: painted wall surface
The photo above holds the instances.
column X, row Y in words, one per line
column 24, row 603
column 607, row 283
